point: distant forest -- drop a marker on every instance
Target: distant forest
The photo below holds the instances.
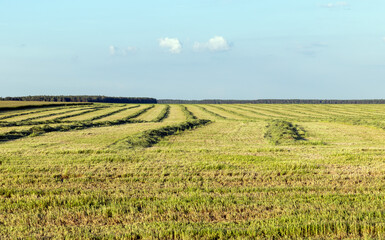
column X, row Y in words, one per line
column 272, row 101
column 102, row 99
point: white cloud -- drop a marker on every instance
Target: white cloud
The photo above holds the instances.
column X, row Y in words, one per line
column 116, row 51
column 383, row 39
column 173, row 45
column 215, row 44
column 112, row 50
column 335, row 5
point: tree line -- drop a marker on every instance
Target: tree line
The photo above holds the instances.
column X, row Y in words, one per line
column 104, row 99
column 84, row 98
column 273, row 101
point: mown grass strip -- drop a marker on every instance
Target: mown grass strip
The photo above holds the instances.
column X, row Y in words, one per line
column 189, row 115
column 212, row 113
column 57, row 120
column 112, row 113
column 151, row 137
column 29, row 113
column 138, row 113
column 232, row 112
column 78, row 114
column 272, row 111
column 163, row 114
column 12, row 108
column 49, row 115
column 24, row 123
column 284, row 132
column 35, row 131
column 251, row 109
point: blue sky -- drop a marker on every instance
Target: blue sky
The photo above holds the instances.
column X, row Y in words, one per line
column 193, row 49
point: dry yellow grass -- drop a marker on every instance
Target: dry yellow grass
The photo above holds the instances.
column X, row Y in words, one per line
column 220, row 181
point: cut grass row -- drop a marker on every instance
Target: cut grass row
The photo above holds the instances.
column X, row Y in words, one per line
column 79, row 114
column 152, row 114
column 175, row 115
column 222, row 181
column 150, row 137
column 123, row 114
column 283, row 132
column 233, row 110
column 34, row 131
column 88, row 116
column 82, row 112
column 163, row 114
column 112, row 113
column 12, row 114
column 264, row 112
column 52, row 121
column 55, row 113
column 220, row 111
column 216, row 115
column 189, row 115
column 21, row 105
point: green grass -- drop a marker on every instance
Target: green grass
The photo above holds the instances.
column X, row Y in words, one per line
column 156, row 114
column 163, row 114
column 284, row 132
column 159, row 178
column 150, row 137
column 17, row 105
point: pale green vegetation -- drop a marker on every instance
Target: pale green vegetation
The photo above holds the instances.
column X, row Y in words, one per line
column 284, row 132
column 151, row 114
column 48, row 115
column 164, row 172
column 15, row 104
column 129, row 110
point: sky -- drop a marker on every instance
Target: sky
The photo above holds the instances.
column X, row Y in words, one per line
column 194, row 49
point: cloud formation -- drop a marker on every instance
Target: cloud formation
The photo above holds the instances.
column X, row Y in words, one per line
column 173, row 45
column 116, row 51
column 335, row 5
column 215, row 44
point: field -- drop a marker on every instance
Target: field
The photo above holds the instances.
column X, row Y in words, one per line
column 160, row 171
column 13, row 104
column 9, row 105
